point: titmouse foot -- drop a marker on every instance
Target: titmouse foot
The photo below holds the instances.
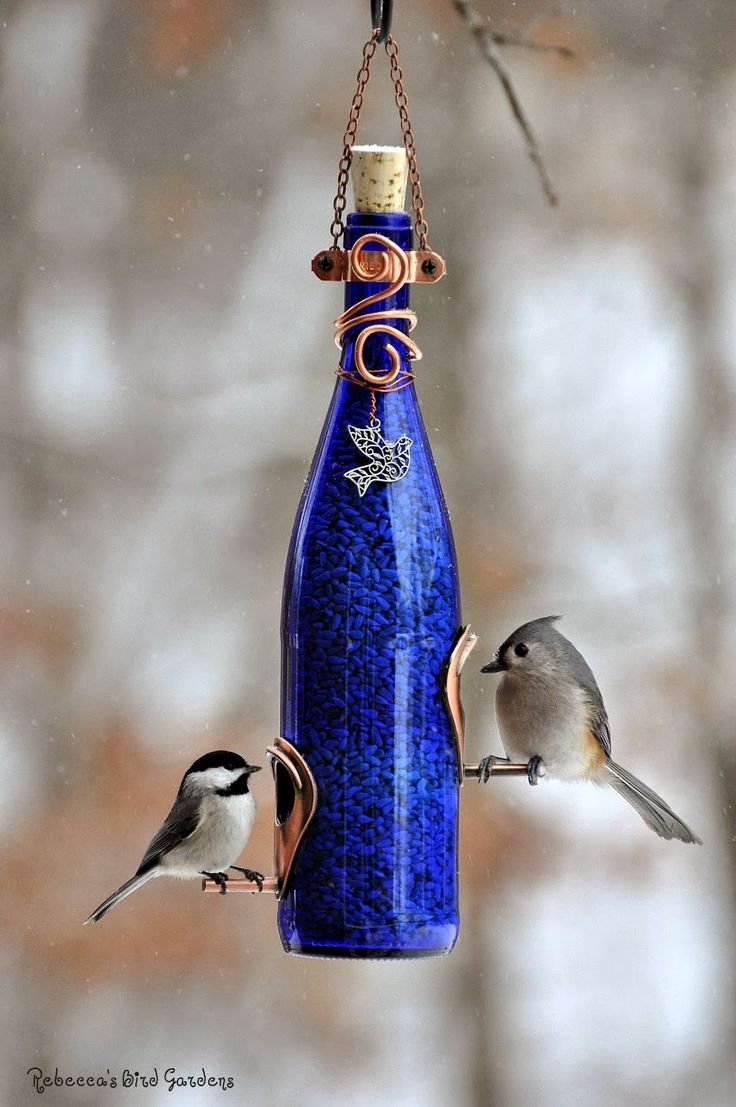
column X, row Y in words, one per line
column 535, row 770
column 250, row 874
column 485, row 767
column 219, row 878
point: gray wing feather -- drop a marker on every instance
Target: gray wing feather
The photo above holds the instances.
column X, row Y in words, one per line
column 583, row 675
column 180, row 823
column 599, row 725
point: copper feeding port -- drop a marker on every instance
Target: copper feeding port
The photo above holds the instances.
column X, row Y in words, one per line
column 464, row 644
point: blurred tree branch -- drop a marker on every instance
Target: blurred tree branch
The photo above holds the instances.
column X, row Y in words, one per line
column 489, row 42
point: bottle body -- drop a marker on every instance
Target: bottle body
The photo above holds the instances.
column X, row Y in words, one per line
column 371, row 608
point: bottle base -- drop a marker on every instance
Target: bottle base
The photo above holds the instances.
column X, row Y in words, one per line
column 363, row 954
column 391, row 945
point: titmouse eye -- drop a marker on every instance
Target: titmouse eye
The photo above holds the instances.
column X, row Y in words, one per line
column 521, row 650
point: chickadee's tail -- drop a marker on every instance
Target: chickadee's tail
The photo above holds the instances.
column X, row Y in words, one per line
column 124, row 890
column 652, row 808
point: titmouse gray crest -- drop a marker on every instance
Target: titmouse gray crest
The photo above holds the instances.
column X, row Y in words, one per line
column 551, row 714
column 205, row 831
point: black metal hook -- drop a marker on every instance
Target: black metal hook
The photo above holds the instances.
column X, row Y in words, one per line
column 381, row 15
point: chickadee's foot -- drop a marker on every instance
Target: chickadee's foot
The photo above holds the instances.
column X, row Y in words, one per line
column 250, row 874
column 485, row 767
column 535, row 770
column 219, row 878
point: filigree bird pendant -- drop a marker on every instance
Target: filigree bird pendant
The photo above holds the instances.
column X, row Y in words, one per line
column 388, row 461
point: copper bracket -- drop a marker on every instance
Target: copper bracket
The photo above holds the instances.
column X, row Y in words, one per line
column 465, row 643
column 288, row 836
column 288, row 833
column 425, row 266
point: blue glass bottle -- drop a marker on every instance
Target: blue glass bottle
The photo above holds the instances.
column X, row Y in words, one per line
column 370, row 611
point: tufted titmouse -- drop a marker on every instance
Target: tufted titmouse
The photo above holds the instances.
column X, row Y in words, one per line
column 205, row 830
column 550, row 713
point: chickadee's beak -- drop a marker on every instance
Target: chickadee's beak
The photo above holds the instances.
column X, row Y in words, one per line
column 253, row 769
column 495, row 665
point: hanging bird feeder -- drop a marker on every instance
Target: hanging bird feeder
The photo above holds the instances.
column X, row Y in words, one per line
column 371, row 759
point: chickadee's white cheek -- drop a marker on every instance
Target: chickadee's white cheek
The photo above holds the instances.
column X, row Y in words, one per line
column 212, row 779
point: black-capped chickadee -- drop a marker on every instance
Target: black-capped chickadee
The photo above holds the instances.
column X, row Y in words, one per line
column 205, row 831
column 550, row 713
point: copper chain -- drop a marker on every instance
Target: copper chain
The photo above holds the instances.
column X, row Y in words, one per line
column 420, row 225
column 343, row 171
column 343, row 175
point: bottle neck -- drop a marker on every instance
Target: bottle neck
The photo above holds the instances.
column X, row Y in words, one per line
column 395, row 226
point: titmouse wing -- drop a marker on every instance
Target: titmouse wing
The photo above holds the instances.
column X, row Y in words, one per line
column 599, row 725
column 582, row 674
column 181, row 822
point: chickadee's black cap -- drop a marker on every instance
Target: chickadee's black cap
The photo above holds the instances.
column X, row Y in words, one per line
column 218, row 759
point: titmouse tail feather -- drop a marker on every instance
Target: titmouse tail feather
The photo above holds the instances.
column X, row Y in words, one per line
column 124, row 890
column 654, row 811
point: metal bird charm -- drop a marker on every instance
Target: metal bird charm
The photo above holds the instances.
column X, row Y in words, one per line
column 389, row 461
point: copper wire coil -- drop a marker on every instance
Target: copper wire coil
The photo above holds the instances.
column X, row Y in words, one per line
column 403, row 381
column 352, row 316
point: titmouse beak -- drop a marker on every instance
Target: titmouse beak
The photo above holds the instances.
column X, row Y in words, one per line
column 495, row 665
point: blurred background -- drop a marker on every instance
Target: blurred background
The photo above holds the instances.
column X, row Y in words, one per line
column 167, row 169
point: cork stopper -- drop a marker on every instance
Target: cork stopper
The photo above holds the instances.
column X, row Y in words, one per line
column 379, row 178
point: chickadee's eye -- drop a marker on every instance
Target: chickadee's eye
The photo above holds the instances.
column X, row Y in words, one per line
column 521, row 650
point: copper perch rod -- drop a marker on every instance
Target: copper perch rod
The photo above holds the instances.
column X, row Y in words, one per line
column 240, row 884
column 500, row 767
